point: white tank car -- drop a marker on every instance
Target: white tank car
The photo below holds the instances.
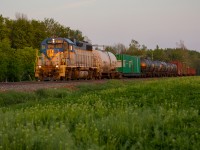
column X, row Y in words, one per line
column 107, row 63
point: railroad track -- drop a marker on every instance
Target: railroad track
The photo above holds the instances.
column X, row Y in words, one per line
column 33, row 86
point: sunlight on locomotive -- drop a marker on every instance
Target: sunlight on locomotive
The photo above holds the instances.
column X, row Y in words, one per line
column 50, row 53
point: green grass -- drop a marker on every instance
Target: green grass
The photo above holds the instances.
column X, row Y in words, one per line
column 136, row 114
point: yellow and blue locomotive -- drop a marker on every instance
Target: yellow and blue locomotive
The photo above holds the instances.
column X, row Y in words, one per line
column 61, row 59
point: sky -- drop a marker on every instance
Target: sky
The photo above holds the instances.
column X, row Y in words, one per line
column 108, row 22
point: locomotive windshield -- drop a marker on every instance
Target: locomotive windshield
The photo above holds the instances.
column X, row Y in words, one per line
column 56, row 45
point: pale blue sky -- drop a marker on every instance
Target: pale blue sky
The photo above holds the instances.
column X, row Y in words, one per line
column 150, row 22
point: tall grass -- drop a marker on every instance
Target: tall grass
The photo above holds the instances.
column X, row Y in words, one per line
column 148, row 114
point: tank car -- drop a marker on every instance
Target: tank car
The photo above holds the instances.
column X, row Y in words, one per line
column 151, row 68
column 61, row 58
column 171, row 70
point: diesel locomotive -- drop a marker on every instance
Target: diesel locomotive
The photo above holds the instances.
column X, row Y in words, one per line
column 64, row 59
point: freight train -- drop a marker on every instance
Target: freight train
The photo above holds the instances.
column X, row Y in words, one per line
column 64, row 59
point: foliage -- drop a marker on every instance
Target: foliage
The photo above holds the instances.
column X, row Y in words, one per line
column 16, row 64
column 27, row 57
column 110, row 49
column 4, row 61
column 130, row 114
column 39, row 32
column 21, row 33
column 135, row 49
column 2, row 28
column 117, row 48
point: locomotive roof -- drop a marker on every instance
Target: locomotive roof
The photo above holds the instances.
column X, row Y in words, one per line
column 69, row 41
column 65, row 39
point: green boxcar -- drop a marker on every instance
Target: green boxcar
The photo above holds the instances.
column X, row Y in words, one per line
column 130, row 65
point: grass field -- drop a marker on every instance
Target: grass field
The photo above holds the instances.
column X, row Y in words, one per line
column 134, row 114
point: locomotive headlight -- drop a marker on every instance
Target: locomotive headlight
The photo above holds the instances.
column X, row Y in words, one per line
column 40, row 66
column 56, row 66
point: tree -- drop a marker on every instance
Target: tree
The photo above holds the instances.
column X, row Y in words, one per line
column 134, row 44
column 21, row 33
column 160, row 54
column 149, row 54
column 181, row 45
column 54, row 29
column 76, row 34
column 27, row 56
column 120, row 48
column 10, row 65
column 4, row 49
column 50, row 27
column 38, row 32
column 135, row 49
column 14, row 66
column 110, row 49
column 157, row 47
column 2, row 28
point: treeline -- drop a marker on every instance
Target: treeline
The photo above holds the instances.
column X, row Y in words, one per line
column 181, row 53
column 19, row 41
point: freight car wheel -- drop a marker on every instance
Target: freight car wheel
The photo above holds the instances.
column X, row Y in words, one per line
column 62, row 78
column 98, row 76
column 120, row 76
column 90, row 75
column 112, row 75
column 37, row 79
